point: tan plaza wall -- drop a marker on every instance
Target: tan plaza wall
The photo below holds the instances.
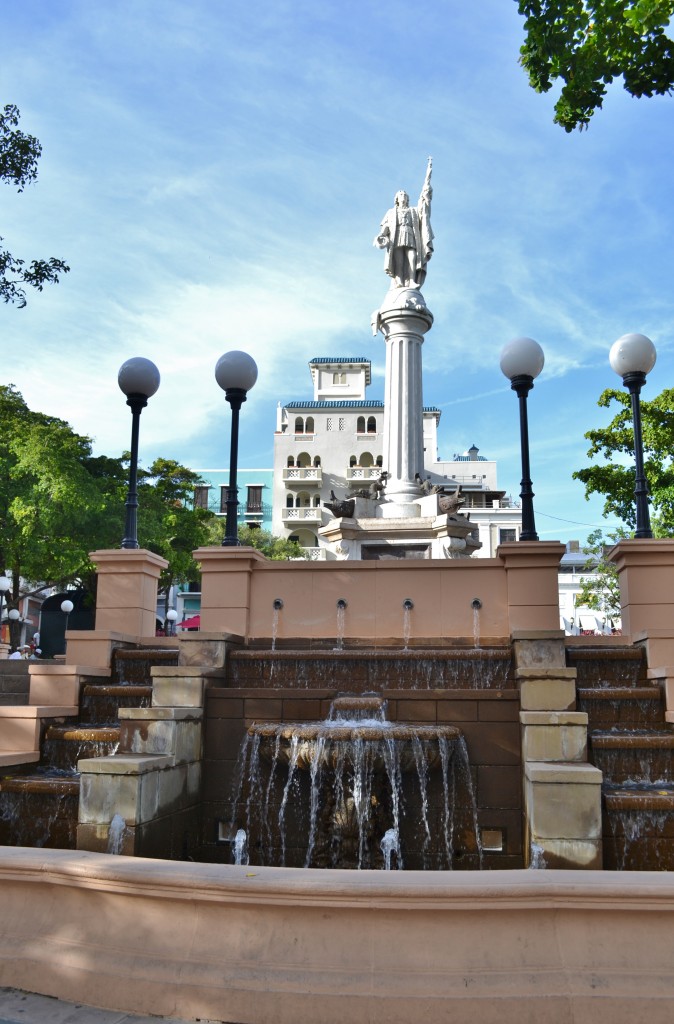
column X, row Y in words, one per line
column 282, row 946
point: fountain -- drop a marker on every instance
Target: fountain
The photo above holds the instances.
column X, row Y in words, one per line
column 332, row 776
column 354, row 778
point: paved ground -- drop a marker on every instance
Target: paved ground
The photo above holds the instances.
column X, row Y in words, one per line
column 22, row 1008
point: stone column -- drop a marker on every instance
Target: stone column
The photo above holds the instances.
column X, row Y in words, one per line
column 403, row 319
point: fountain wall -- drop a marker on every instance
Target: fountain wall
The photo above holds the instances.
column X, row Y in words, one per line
column 256, row 946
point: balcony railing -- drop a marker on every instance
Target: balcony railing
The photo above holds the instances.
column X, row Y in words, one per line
column 291, row 515
column 293, row 475
column 315, row 554
column 363, row 472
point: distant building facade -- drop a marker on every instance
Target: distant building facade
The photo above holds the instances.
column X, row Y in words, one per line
column 333, row 443
column 255, row 488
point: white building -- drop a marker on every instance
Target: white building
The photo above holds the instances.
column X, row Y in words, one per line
column 333, row 443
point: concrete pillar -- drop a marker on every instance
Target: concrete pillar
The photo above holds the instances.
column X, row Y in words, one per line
column 403, row 320
column 225, row 588
column 126, row 598
column 532, row 569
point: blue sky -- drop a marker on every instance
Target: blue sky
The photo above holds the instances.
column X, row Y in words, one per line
column 215, row 172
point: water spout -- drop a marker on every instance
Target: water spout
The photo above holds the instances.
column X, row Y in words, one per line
column 240, row 848
column 277, row 605
column 341, row 607
column 390, row 844
column 476, row 605
column 116, row 835
column 408, row 605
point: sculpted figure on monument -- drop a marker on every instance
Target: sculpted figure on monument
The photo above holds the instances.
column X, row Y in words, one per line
column 407, row 236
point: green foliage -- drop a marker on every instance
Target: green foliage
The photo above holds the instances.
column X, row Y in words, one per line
column 50, row 503
column 615, row 443
column 277, row 549
column 167, row 522
column 58, row 503
column 601, row 591
column 19, row 155
column 586, row 44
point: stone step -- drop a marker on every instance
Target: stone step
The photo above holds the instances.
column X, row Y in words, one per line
column 622, row 707
column 637, row 757
column 638, row 827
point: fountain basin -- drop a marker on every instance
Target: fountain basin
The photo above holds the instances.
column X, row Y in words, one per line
column 329, row 743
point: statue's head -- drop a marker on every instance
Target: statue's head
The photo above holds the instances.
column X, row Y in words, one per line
column 402, row 199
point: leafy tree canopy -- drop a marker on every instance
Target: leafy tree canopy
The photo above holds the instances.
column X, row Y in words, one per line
column 58, row 502
column 601, row 591
column 614, row 478
column 277, row 549
column 19, row 155
column 588, row 43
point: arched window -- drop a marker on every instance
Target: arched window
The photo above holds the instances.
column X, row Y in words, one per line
column 304, row 459
column 360, row 425
column 289, row 501
column 291, row 461
column 371, row 425
column 299, row 425
column 366, row 459
column 380, row 461
column 317, row 460
column 309, row 425
column 353, row 461
column 317, row 500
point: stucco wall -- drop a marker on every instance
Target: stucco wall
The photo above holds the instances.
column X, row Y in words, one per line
column 274, row 946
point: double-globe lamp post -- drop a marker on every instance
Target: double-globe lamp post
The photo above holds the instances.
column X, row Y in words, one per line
column 236, row 373
column 139, row 379
column 632, row 357
column 521, row 361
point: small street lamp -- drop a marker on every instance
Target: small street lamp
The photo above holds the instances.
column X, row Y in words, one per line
column 5, row 585
column 521, row 361
column 66, row 607
column 14, row 616
column 236, row 373
column 171, row 617
column 632, row 357
column 139, row 379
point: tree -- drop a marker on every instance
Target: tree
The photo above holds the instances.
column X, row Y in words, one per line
column 601, row 590
column 615, row 443
column 589, row 43
column 168, row 523
column 277, row 549
column 58, row 502
column 19, row 155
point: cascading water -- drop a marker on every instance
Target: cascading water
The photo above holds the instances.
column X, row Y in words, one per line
column 408, row 605
column 116, row 835
column 326, row 794
column 476, row 605
column 341, row 609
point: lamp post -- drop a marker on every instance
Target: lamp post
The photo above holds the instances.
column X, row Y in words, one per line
column 139, row 379
column 236, row 373
column 171, row 617
column 632, row 357
column 66, row 607
column 5, row 585
column 14, row 616
column 521, row 361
